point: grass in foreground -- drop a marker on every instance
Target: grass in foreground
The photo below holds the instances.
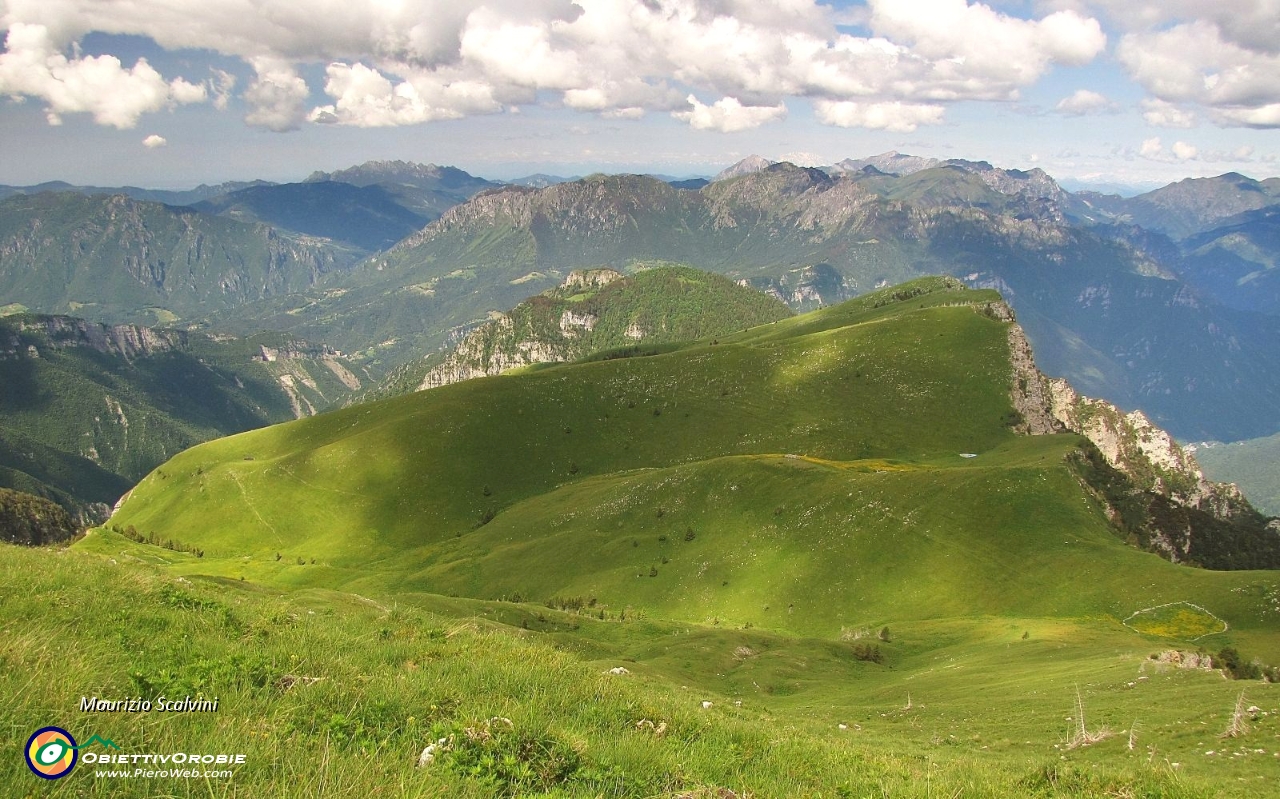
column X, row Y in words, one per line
column 337, row 694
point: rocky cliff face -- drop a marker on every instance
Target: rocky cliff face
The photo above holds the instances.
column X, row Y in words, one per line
column 1154, row 490
column 490, row 350
column 1031, row 391
column 61, row 332
column 1147, row 454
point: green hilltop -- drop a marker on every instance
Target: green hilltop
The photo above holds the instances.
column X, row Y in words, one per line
column 594, row 311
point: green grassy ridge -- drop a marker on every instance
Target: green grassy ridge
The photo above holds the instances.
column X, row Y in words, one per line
column 462, row 489
column 394, row 676
column 815, row 549
column 520, row 436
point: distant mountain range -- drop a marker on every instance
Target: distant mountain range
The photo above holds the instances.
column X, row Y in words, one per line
column 168, row 197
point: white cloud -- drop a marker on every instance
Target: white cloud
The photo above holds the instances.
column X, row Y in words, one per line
column 221, row 85
column 153, row 141
column 1153, row 150
column 99, row 85
column 1201, row 62
column 1253, row 24
column 727, row 115
column 1265, row 116
column 634, row 112
column 276, row 97
column 404, row 62
column 366, row 98
column 894, row 116
column 804, row 158
column 1083, row 102
column 1161, row 114
column 991, row 52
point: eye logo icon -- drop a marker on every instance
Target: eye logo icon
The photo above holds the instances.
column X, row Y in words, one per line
column 51, row 752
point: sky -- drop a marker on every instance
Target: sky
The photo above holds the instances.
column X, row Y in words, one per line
column 173, row 93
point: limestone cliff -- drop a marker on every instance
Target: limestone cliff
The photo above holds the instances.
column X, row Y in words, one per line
column 1154, row 491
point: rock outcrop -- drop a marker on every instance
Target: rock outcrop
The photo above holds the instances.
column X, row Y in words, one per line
column 1179, row 505
column 1144, row 452
column 62, row 332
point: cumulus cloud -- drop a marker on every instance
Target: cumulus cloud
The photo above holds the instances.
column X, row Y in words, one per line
column 1083, row 102
column 220, row 86
column 804, row 158
column 414, row 61
column 1208, row 62
column 1153, row 150
column 1162, row 114
column 154, row 140
column 277, row 96
column 1264, row 116
column 976, row 46
column 894, row 116
column 366, row 98
column 728, row 115
column 99, row 85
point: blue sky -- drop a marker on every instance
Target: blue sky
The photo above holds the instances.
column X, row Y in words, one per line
column 171, row 94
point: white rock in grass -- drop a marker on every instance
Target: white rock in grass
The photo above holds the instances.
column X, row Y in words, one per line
column 428, row 755
column 617, row 670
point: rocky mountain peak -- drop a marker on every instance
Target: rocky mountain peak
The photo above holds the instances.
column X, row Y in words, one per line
column 890, row 163
column 747, row 166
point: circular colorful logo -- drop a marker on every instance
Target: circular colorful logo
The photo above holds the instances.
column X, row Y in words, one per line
column 51, row 752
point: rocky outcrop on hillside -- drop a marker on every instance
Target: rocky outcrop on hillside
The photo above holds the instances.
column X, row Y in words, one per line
column 29, row 333
column 490, row 350
column 1155, row 493
column 1031, row 391
column 295, row 350
column 890, row 163
column 594, row 310
column 586, row 279
column 1144, row 452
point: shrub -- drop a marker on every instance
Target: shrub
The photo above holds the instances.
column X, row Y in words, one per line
column 868, row 653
